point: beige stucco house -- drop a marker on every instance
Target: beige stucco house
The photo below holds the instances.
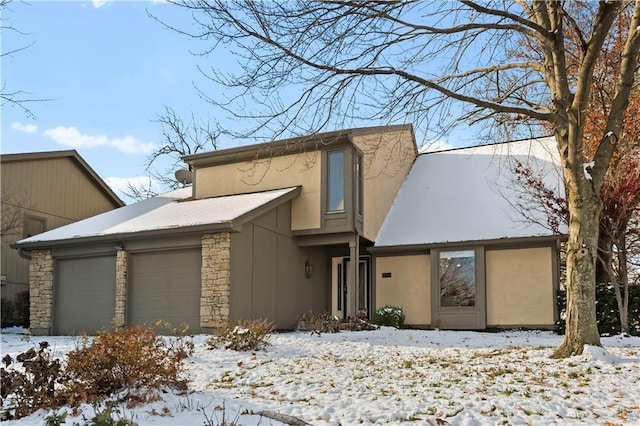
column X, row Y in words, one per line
column 42, row 191
column 276, row 230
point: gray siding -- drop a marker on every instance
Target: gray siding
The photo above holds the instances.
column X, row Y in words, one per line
column 267, row 272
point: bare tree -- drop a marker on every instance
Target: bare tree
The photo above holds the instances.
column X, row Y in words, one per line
column 179, row 138
column 12, row 213
column 139, row 191
column 620, row 191
column 416, row 60
column 8, row 97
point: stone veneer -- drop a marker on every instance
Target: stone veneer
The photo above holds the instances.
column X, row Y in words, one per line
column 41, row 292
column 215, row 279
column 121, row 288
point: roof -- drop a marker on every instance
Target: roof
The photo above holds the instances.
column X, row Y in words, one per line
column 286, row 146
column 73, row 155
column 469, row 195
column 171, row 212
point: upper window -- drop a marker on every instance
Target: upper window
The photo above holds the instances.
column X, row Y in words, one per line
column 33, row 226
column 457, row 272
column 335, row 181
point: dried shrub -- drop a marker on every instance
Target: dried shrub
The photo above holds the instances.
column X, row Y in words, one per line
column 28, row 388
column 15, row 312
column 243, row 335
column 358, row 323
column 7, row 312
column 318, row 323
column 134, row 361
column 392, row 316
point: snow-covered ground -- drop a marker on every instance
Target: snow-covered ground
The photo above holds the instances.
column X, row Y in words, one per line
column 394, row 376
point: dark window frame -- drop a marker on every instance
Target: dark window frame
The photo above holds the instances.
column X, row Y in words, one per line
column 25, row 225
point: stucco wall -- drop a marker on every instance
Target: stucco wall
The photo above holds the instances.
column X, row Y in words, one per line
column 408, row 286
column 272, row 173
column 388, row 156
column 520, row 287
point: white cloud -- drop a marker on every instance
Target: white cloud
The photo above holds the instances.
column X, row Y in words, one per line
column 26, row 128
column 99, row 3
column 70, row 136
column 435, row 145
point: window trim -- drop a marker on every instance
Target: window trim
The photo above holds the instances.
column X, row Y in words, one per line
column 480, row 263
column 439, row 277
column 28, row 217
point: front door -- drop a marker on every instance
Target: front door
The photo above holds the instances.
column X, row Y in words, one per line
column 343, row 291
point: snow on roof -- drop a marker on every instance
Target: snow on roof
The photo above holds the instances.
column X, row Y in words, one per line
column 469, row 195
column 166, row 211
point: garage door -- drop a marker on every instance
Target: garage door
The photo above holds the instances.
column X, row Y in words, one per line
column 86, row 294
column 165, row 286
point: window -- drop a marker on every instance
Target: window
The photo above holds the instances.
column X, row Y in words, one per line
column 358, row 186
column 33, row 226
column 457, row 275
column 340, row 289
column 335, row 181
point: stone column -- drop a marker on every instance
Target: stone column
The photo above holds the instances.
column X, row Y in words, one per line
column 215, row 280
column 41, row 292
column 121, row 288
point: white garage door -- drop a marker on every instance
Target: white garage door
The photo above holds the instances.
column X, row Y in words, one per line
column 85, row 299
column 165, row 286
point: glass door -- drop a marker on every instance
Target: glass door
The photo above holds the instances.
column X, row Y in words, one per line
column 342, row 297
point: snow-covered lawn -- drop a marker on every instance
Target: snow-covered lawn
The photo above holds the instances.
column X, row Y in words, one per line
column 393, row 376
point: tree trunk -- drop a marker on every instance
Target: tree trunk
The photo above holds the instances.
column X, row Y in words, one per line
column 582, row 252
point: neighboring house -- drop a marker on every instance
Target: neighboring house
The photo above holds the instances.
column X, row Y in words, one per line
column 43, row 191
column 277, row 230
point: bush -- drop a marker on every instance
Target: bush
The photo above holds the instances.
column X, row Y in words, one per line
column 16, row 312
column 134, row 360
column 243, row 335
column 32, row 387
column 7, row 310
column 392, row 316
column 606, row 310
column 318, row 323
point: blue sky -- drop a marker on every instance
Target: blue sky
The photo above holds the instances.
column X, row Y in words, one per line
column 107, row 70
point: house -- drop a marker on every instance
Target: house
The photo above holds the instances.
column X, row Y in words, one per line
column 456, row 250
column 43, row 191
column 320, row 223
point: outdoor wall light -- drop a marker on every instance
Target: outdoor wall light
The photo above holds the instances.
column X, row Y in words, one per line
column 307, row 268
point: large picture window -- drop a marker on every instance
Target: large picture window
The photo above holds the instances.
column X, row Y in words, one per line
column 457, row 274
column 335, row 181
